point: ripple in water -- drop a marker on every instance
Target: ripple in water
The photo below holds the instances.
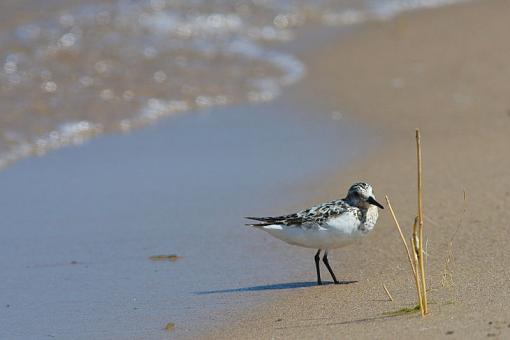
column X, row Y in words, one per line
column 117, row 65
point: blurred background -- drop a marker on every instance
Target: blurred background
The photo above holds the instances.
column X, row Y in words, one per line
column 72, row 70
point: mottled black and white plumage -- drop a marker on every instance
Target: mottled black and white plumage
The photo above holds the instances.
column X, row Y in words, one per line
column 309, row 218
column 328, row 225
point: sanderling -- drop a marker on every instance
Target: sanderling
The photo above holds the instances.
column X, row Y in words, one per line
column 328, row 225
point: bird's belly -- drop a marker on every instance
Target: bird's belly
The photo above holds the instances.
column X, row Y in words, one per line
column 317, row 238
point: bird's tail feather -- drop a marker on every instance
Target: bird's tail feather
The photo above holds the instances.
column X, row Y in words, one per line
column 265, row 221
column 261, row 219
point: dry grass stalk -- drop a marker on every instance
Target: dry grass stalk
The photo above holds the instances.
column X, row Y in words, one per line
column 401, row 234
column 420, row 224
column 416, row 258
column 412, row 258
column 387, row 292
column 415, row 241
column 417, row 276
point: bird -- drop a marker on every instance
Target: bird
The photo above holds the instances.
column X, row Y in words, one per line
column 326, row 226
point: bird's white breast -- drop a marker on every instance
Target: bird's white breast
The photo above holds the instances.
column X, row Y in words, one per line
column 346, row 223
column 370, row 219
column 335, row 233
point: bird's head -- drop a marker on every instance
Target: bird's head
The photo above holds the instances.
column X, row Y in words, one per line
column 362, row 196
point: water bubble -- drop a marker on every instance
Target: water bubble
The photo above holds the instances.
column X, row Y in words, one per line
column 281, row 21
column 10, row 67
column 107, row 94
column 67, row 40
column 203, row 101
column 84, row 125
column 215, row 20
column 221, row 100
column 262, row 96
column 41, row 143
column 160, row 76
column 154, row 109
column 49, row 86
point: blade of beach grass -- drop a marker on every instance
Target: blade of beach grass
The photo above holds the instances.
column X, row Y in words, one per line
column 412, row 258
column 417, row 277
column 397, row 224
column 387, row 292
column 415, row 242
column 420, row 223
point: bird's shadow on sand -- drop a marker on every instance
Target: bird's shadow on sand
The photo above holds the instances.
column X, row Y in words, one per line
column 278, row 286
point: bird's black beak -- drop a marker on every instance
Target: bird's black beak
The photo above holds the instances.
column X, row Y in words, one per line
column 372, row 200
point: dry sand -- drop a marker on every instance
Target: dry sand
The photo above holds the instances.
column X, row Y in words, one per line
column 447, row 72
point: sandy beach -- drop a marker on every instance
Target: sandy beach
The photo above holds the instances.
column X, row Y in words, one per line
column 444, row 71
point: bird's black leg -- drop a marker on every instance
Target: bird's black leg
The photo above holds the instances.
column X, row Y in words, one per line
column 317, row 260
column 326, row 262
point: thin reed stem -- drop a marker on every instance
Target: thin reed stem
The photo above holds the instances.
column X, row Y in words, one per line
column 401, row 235
column 387, row 292
column 417, row 278
column 420, row 222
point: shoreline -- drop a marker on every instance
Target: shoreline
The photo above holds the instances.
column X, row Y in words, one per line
column 80, row 224
column 414, row 71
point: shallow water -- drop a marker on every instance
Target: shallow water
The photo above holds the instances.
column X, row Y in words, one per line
column 77, row 240
column 70, row 71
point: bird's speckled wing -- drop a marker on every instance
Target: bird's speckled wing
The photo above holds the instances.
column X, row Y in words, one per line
column 315, row 216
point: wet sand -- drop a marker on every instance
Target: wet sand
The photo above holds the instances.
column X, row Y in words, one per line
column 446, row 72
column 79, row 225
